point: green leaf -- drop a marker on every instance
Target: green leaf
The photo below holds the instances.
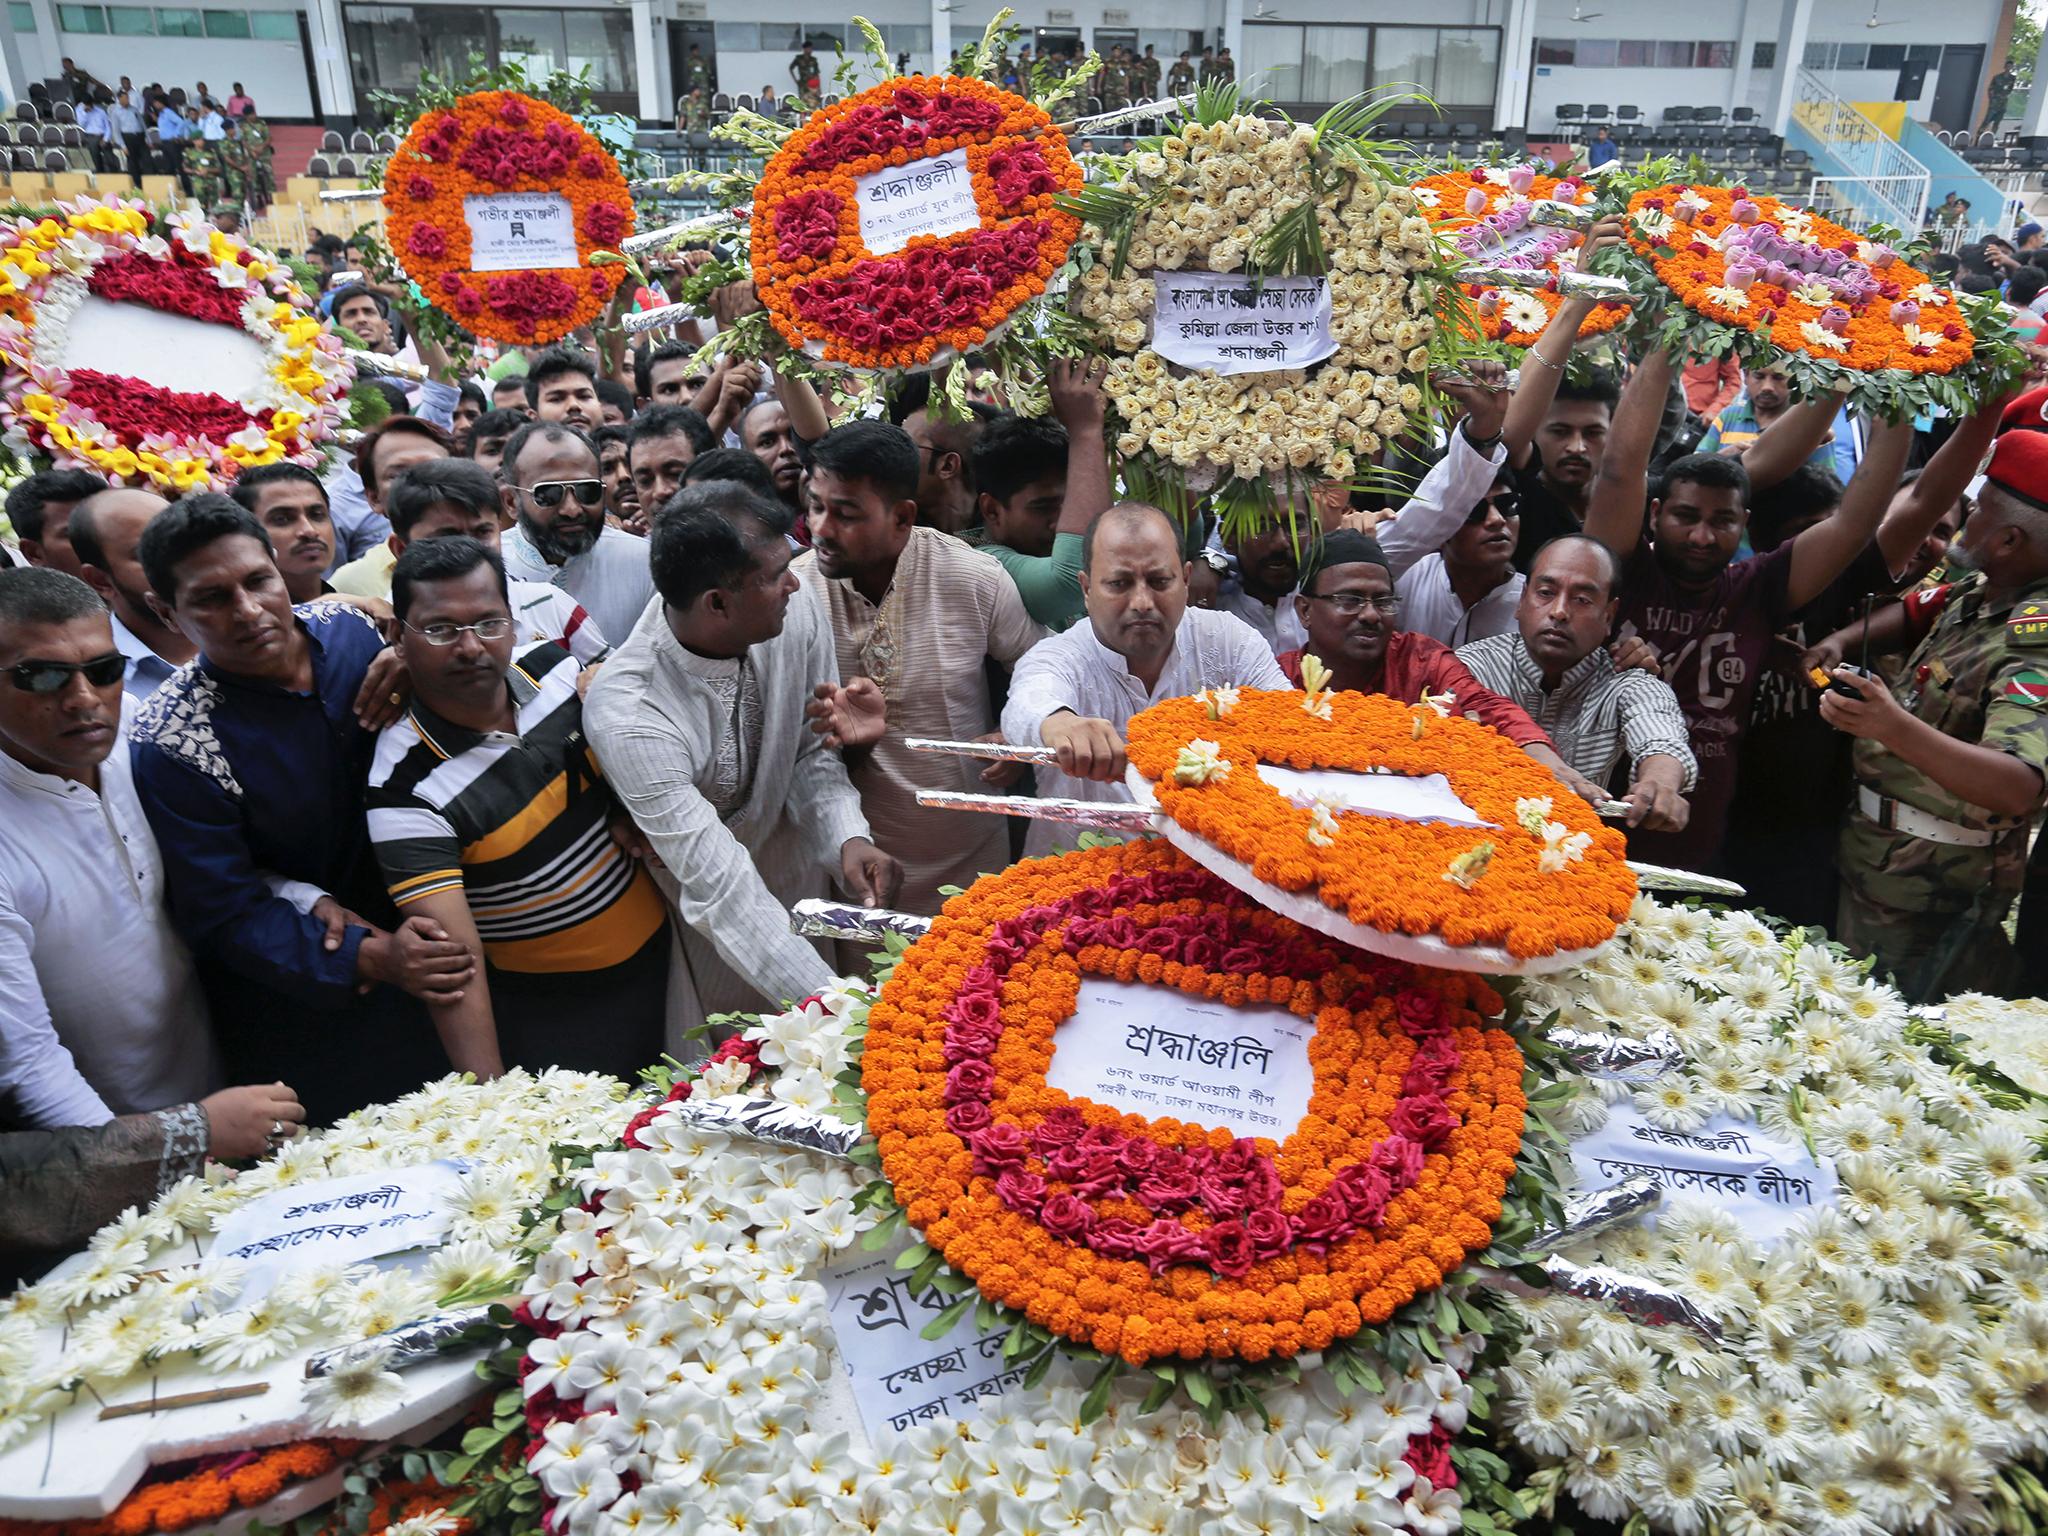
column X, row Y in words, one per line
column 912, row 1256
column 481, row 1439
column 941, row 1325
column 1014, row 1344
column 1201, row 1391
column 1097, row 1401
column 1039, row 1367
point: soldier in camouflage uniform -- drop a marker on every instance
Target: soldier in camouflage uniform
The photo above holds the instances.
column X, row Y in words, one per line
column 1929, row 871
column 247, row 156
column 697, row 71
column 1181, row 78
column 1145, row 83
column 693, row 112
column 1113, row 82
column 205, row 174
column 803, row 69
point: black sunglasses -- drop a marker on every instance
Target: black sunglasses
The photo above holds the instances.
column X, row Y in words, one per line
column 55, row 676
column 1506, row 503
column 550, row 493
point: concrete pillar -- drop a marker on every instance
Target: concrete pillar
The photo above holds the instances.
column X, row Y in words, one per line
column 1794, row 23
column 48, row 44
column 1517, row 51
column 942, row 35
column 13, row 76
column 654, row 110
column 1233, row 34
column 2037, row 98
column 330, row 60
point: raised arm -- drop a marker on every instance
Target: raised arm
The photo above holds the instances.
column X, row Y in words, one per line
column 1077, row 400
column 1789, row 441
column 1918, row 507
column 1824, row 551
column 1621, row 491
column 1543, row 364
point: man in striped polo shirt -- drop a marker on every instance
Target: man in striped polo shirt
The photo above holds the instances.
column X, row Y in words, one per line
column 488, row 814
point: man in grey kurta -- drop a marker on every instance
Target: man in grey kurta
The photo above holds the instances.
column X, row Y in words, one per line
column 698, row 724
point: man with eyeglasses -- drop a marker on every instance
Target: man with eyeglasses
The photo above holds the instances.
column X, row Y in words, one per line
column 250, row 765
column 553, row 491
column 489, row 818
column 1348, row 606
column 1468, row 589
column 103, row 1011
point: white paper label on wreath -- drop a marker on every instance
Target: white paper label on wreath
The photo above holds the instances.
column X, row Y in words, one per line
column 899, row 1377
column 1230, row 323
column 1421, row 797
column 925, row 197
column 338, row 1221
column 1152, row 1051
column 170, row 351
column 1768, row 1185
column 520, row 232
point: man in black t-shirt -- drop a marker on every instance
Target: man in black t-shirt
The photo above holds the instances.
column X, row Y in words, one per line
column 1555, row 473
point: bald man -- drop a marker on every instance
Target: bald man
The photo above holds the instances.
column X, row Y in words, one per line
column 105, row 530
column 1076, row 691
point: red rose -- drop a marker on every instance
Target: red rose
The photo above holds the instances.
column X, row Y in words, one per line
column 420, row 188
column 514, row 111
column 1066, row 1216
column 1003, row 1145
column 426, row 242
column 1952, row 332
column 970, row 1080
column 1271, row 1233
column 967, row 1117
column 1021, row 1190
column 1229, row 1250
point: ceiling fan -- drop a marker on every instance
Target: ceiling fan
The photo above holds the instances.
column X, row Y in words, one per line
column 1263, row 14
column 1874, row 22
column 1579, row 13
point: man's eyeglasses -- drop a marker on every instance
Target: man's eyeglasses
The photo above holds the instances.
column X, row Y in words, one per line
column 1506, row 503
column 55, row 676
column 448, row 634
column 1351, row 604
column 550, row 493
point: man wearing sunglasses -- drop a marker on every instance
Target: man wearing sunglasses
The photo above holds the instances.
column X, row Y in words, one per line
column 1468, row 589
column 553, row 490
column 250, row 764
column 489, row 819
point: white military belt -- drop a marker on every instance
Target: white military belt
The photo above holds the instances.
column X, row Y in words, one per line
column 1896, row 816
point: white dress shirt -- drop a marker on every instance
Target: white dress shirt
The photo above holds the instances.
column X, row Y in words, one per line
column 611, row 579
column 100, row 1008
column 1431, row 606
column 1278, row 625
column 146, row 671
column 1075, row 671
column 1443, row 499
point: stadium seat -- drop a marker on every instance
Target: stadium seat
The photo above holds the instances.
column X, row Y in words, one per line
column 1571, row 113
column 319, row 166
column 331, row 142
column 1596, row 112
column 361, row 143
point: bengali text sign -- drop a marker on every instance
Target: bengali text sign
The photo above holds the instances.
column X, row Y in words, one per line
column 925, row 197
column 1230, row 323
column 520, row 232
column 1768, row 1184
column 338, row 1221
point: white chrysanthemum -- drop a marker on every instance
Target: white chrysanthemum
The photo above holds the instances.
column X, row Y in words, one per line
column 358, row 1390
column 249, row 1336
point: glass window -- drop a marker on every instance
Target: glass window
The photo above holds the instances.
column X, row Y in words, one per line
column 179, row 24
column 1557, row 50
column 389, row 44
column 1715, row 56
column 1272, row 61
column 21, row 15
column 131, row 20
column 275, row 26
column 1467, row 65
column 1924, row 53
column 1636, row 53
column 602, row 42
column 227, row 23
column 1885, row 56
column 82, row 18
column 1333, row 62
column 1596, row 53
column 737, row 36
column 531, row 41
column 904, row 38
column 1405, row 56
column 1818, row 54
column 1764, row 56
column 1674, row 55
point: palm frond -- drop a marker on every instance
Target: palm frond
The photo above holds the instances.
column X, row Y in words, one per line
column 1217, row 102
column 1291, row 246
column 1354, row 117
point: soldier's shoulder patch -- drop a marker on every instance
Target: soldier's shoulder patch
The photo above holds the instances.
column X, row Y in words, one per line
column 2028, row 624
column 2029, row 687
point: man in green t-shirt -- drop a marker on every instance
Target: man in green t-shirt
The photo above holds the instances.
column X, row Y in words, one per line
column 1038, row 485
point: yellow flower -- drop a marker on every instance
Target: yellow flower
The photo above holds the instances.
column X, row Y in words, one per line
column 1199, row 763
column 1467, row 867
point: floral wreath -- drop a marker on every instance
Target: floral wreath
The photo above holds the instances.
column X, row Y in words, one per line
column 1231, row 192
column 1784, row 287
column 1159, row 1238
column 830, row 294
column 1487, row 210
column 1543, row 878
column 127, row 429
column 490, row 143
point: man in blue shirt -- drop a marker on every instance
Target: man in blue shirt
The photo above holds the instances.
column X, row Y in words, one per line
column 250, row 764
column 1602, row 148
column 98, row 130
column 171, row 133
column 125, row 118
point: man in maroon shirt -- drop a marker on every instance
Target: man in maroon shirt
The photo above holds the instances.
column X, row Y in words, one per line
column 1710, row 617
column 1347, row 605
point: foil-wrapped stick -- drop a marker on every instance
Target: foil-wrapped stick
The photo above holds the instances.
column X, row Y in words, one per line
column 1548, row 210
column 384, row 367
column 1165, row 107
column 1597, row 1210
column 1598, row 1054
column 688, row 229
column 406, row 1345
column 771, row 1120
column 1103, row 815
column 814, row 919
column 1573, row 285
column 1653, row 1305
column 1000, row 751
column 660, row 318
column 1656, row 877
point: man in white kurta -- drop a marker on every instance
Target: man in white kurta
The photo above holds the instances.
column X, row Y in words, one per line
column 1142, row 643
column 745, row 807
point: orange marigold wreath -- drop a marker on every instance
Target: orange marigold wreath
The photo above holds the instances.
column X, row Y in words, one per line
column 1544, row 875
column 215, row 1488
column 495, row 142
column 832, row 294
column 1485, row 208
column 1154, row 1238
column 1801, row 281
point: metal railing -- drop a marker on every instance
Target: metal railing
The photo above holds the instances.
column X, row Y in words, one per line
column 1883, row 182
column 1859, row 200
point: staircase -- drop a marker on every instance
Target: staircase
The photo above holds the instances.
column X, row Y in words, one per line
column 1862, row 175
column 291, row 146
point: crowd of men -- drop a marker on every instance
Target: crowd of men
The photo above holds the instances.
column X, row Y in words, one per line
column 511, row 738
column 218, row 148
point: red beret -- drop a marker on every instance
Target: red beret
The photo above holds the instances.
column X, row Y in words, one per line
column 2019, row 467
column 2028, row 413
